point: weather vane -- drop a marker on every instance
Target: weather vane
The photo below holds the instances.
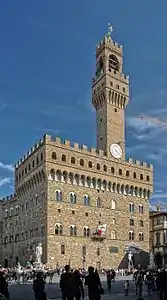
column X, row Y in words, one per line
column 110, row 30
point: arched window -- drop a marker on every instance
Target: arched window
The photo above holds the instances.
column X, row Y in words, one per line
column 73, row 198
column 98, row 251
column 112, row 170
column 131, row 235
column 98, row 166
column 113, row 204
column 6, row 213
column 98, row 202
column 81, row 162
column 132, row 223
column 62, row 249
column 86, row 231
column 134, row 175
column 54, row 156
column 11, row 212
column 113, row 63
column 58, row 229
column 90, row 164
column 73, row 160
column 113, row 235
column 141, row 236
column 147, row 178
column 63, row 158
column 131, row 207
column 86, row 200
column 105, row 168
column 141, row 209
column 141, row 223
column 127, row 173
column 58, row 195
column 141, row 176
column 73, row 230
column 120, row 172
column 17, row 210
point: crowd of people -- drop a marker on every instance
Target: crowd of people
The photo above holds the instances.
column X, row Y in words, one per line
column 72, row 282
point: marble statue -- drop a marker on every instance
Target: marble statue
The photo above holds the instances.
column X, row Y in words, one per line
column 130, row 261
column 38, row 253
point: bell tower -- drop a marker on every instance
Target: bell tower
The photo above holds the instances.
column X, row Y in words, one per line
column 110, row 95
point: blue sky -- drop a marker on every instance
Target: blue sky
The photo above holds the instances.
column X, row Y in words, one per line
column 47, row 60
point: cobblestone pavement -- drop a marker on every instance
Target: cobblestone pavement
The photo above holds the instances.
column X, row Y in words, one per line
column 24, row 291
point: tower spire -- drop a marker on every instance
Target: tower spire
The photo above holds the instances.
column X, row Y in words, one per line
column 110, row 30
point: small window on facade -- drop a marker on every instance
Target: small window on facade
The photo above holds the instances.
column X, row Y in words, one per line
column 63, row 158
column 112, row 170
column 123, row 89
column 86, row 200
column 127, row 173
column 98, row 166
column 86, row 214
column 73, row 230
column 86, row 231
column 62, row 249
column 54, row 156
column 114, row 221
column 98, row 202
column 58, row 195
column 33, row 164
column 73, row 198
column 132, row 222
column 111, row 83
column 37, row 160
column 134, row 175
column 147, row 178
column 58, row 229
column 105, row 168
column 26, row 170
column 141, row 209
column 120, row 171
column 141, row 223
column 81, row 162
column 41, row 156
column 90, row 164
column 101, row 119
column 113, row 204
column 141, row 176
column 98, row 251
column 117, row 86
column 141, row 236
column 131, row 207
column 73, row 160
column 131, row 235
column 29, row 167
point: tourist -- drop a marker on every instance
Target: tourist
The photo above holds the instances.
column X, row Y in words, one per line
column 39, row 287
column 75, row 288
column 92, row 280
column 109, row 278
column 3, row 286
column 126, row 287
column 64, row 283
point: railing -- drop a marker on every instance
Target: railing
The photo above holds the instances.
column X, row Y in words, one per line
column 97, row 237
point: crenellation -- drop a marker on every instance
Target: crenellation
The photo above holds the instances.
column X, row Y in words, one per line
column 67, row 143
column 76, row 146
column 93, row 151
column 84, row 148
column 58, row 141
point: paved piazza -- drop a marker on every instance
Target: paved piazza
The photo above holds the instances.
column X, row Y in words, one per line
column 24, row 291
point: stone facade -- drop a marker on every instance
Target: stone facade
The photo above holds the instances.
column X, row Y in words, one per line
column 64, row 191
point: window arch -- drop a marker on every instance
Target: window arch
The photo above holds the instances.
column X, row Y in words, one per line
column 86, row 231
column 86, row 200
column 131, row 235
column 113, row 62
column 112, row 170
column 98, row 166
column 58, row 195
column 127, row 174
column 132, row 222
column 62, row 249
column 81, row 162
column 98, row 202
column 58, row 229
column 141, row 236
column 63, row 158
column 147, row 178
column 54, row 156
column 134, row 175
column 141, row 176
column 73, row 198
column 73, row 230
column 113, row 204
column 113, row 235
column 120, row 172
column 90, row 164
column 73, row 160
column 141, row 209
column 105, row 168
column 141, row 223
column 131, row 207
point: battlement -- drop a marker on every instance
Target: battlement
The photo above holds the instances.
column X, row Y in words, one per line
column 83, row 148
column 9, row 198
column 108, row 42
column 116, row 74
column 29, row 153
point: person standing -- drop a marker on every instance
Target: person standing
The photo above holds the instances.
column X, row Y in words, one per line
column 39, row 287
column 3, row 286
column 64, row 283
column 92, row 280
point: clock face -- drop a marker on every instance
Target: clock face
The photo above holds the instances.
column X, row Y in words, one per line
column 116, row 151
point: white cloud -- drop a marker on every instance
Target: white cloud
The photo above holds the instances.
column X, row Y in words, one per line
column 159, row 196
column 6, row 167
column 5, row 180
